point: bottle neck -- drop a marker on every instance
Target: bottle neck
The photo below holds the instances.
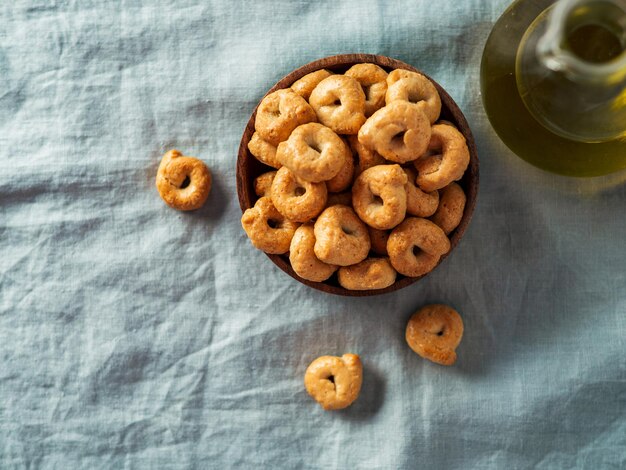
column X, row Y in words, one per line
column 586, row 41
column 576, row 88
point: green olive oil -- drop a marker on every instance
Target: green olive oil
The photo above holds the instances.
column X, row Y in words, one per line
column 510, row 117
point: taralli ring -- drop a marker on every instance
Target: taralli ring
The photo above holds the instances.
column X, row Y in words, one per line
column 339, row 102
column 373, row 80
column 307, row 84
column 448, row 159
column 345, row 199
column 367, row 157
column 451, row 207
column 379, row 196
column 263, row 151
column 447, row 123
column 281, row 112
column 296, row 199
column 340, row 237
column 415, row 246
column 303, row 259
column 413, row 87
column 334, row 382
column 183, row 182
column 267, row 228
column 400, row 132
column 372, row 273
column 434, row 332
column 313, row 152
column 418, row 202
column 263, row 183
column 378, row 240
column 342, row 180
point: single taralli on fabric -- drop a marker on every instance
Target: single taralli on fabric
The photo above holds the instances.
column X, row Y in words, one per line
column 379, row 196
column 418, row 202
column 415, row 246
column 263, row 151
column 413, row 87
column 446, row 161
column 341, row 238
column 400, row 132
column 434, row 332
column 263, row 183
column 373, row 80
column 296, row 199
column 313, row 152
column 307, row 84
column 342, row 180
column 267, row 228
column 371, row 273
column 378, row 240
column 302, row 256
column 183, row 182
column 281, row 112
column 451, row 208
column 339, row 103
column 334, row 382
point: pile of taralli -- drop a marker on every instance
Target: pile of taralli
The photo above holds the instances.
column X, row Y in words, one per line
column 365, row 176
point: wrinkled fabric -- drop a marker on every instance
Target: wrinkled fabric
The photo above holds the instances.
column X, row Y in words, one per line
column 136, row 336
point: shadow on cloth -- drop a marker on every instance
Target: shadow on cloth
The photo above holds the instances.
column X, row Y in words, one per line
column 371, row 398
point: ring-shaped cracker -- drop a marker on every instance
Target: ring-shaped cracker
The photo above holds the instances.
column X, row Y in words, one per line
column 303, row 259
column 418, row 202
column 341, row 238
column 313, row 152
column 263, row 151
column 334, row 382
column 400, row 132
column 366, row 157
column 371, row 273
column 413, row 87
column 339, row 103
column 378, row 240
column 373, row 80
column 379, row 196
column 183, row 182
column 415, row 246
column 263, row 183
column 281, row 112
column 447, row 160
column 344, row 198
column 447, row 123
column 267, row 228
column 343, row 179
column 296, row 199
column 451, row 206
column 307, row 84
column 434, row 332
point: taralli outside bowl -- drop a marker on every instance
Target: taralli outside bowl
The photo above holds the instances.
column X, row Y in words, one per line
column 248, row 167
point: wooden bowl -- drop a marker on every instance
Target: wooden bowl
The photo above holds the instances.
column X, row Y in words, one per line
column 248, row 167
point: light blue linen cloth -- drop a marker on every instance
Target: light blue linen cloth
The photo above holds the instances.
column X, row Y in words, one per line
column 136, row 336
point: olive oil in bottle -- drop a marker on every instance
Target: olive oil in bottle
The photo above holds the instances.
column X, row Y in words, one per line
column 553, row 82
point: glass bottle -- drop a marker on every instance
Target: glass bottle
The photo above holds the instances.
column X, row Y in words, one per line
column 553, row 80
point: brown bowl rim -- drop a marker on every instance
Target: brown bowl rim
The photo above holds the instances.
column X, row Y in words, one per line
column 469, row 181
